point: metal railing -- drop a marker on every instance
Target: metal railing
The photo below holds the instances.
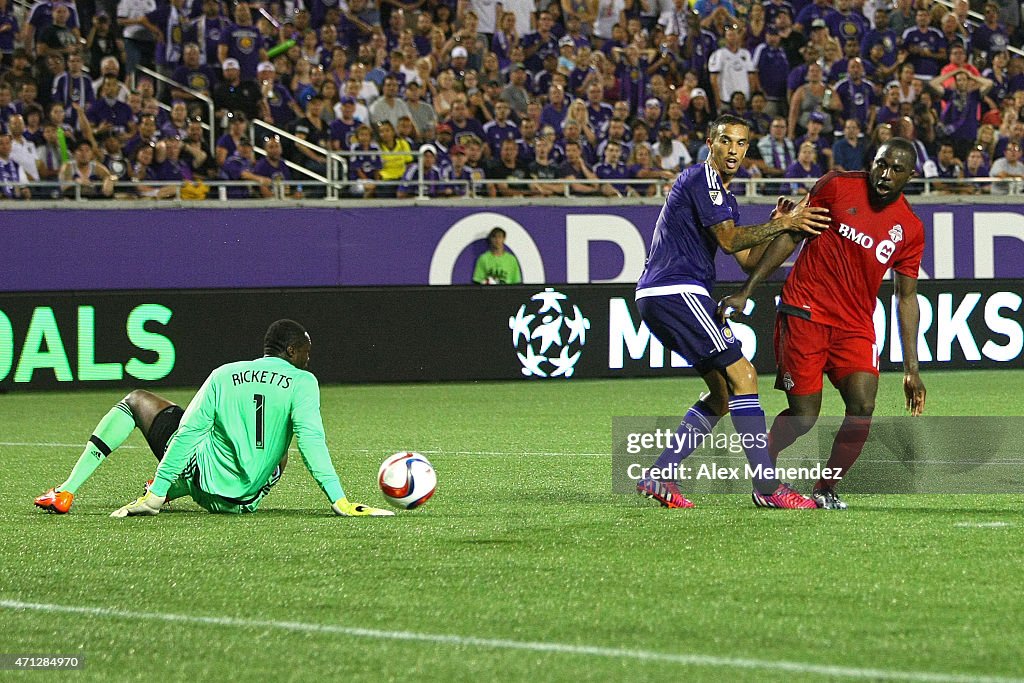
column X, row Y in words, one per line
column 208, row 125
column 330, row 186
column 434, row 189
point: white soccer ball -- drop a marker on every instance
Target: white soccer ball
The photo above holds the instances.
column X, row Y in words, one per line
column 407, row 480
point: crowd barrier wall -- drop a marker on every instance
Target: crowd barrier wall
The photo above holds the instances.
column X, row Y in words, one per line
column 53, row 249
column 95, row 339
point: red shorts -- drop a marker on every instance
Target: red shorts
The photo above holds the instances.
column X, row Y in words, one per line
column 805, row 350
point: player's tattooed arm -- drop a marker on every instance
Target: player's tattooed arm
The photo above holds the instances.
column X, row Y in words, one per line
column 801, row 219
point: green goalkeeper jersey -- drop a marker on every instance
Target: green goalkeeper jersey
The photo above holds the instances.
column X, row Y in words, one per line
column 239, row 425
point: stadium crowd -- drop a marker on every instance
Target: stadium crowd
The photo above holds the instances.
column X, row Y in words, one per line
column 452, row 92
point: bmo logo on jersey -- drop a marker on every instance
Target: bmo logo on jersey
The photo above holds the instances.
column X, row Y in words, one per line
column 884, row 250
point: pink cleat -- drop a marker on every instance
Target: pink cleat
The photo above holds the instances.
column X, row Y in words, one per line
column 665, row 492
column 784, row 497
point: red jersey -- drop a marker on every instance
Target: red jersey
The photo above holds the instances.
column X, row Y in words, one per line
column 837, row 275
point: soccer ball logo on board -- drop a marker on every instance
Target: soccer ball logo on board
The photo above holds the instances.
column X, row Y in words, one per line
column 547, row 341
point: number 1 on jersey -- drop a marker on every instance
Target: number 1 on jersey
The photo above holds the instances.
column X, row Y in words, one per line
column 259, row 400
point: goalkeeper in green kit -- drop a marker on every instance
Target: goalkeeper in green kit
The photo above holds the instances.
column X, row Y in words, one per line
column 230, row 447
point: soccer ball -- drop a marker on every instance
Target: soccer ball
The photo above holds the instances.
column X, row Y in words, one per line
column 407, row 480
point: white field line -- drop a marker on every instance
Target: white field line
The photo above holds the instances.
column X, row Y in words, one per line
column 523, row 645
column 28, row 444
column 738, row 457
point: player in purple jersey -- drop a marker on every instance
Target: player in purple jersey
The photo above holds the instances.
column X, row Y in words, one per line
column 673, row 297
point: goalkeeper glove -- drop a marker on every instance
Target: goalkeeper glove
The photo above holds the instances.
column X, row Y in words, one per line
column 343, row 507
column 148, row 504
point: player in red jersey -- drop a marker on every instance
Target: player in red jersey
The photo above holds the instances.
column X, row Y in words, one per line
column 824, row 323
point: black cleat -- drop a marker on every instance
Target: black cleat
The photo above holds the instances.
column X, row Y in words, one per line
column 826, row 499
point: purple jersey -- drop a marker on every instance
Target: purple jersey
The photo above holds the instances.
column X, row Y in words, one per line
column 704, row 46
column 432, row 180
column 811, row 12
column 772, row 70
column 209, row 34
column 244, row 43
column 633, row 84
column 795, row 170
column 279, row 101
column 7, row 37
column 495, row 133
column 987, row 39
column 600, row 115
column 172, row 170
column 458, row 183
column 201, row 79
column 774, row 9
column 550, row 116
column 501, row 45
column 367, row 160
column 461, row 133
column 233, row 168
column 41, row 15
column 343, row 132
column 961, row 114
column 68, row 89
column 930, row 38
column 857, row 99
column 318, row 11
column 887, row 115
column 267, row 170
column 544, row 46
column 227, row 142
column 577, row 77
column 845, row 26
column 889, row 40
column 683, row 248
column 821, row 144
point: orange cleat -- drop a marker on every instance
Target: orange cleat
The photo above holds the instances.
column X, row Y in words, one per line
column 55, row 501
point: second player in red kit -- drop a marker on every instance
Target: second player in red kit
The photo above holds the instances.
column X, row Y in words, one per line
column 828, row 300
column 825, row 317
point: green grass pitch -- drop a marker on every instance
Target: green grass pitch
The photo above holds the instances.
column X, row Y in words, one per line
column 523, row 566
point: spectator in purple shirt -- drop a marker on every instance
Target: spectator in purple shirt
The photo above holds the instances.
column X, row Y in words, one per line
column 107, row 113
column 433, row 185
column 501, row 128
column 365, row 164
column 272, row 166
column 857, row 95
column 991, row 36
column 193, row 74
column 461, row 124
column 239, row 166
column 177, row 121
column 926, row 45
column 612, row 168
column 458, row 175
column 172, row 167
column 242, row 41
column 805, row 166
column 962, row 110
column 148, row 133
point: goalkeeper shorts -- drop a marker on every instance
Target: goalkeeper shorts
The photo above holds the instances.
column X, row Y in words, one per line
column 188, row 485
